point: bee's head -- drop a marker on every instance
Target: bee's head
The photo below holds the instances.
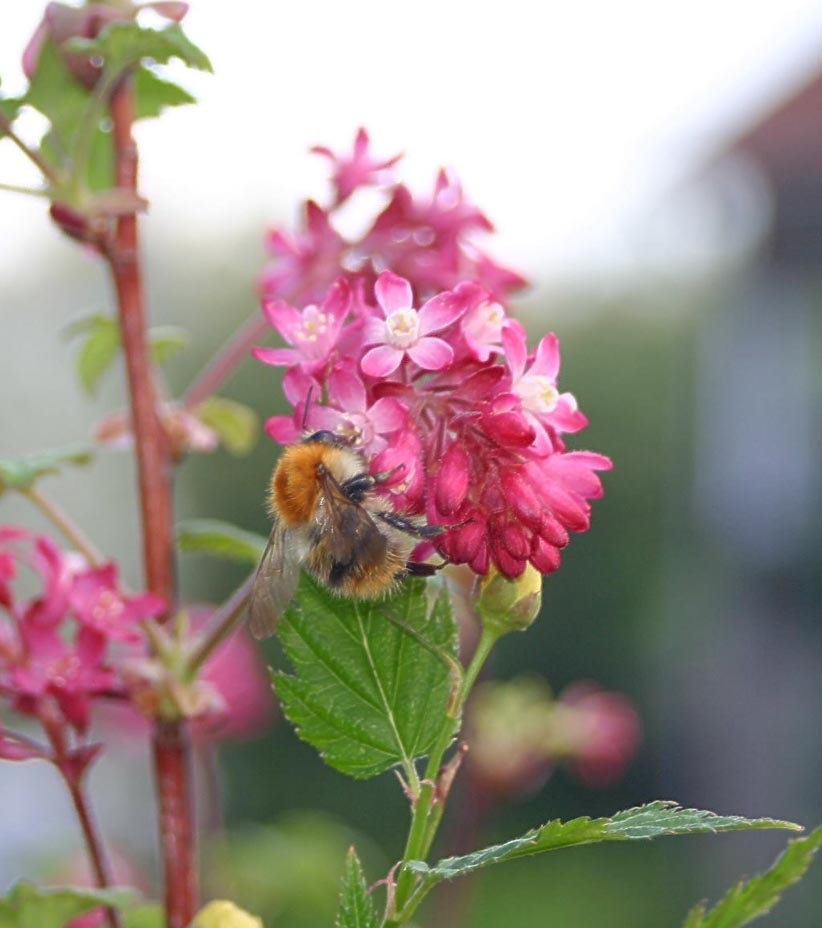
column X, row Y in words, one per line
column 325, row 437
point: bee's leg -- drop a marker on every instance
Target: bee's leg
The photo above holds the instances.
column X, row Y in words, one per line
column 404, row 524
column 416, row 569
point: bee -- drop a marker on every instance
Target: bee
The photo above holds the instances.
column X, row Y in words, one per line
column 328, row 520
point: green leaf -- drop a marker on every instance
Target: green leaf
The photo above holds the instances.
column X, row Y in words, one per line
column 100, row 347
column 237, row 425
column 9, row 107
column 367, row 693
column 20, row 473
column 61, row 98
column 220, row 539
column 166, row 341
column 356, row 907
column 124, row 44
column 748, row 900
column 649, row 821
column 28, row 906
column 146, row 916
column 153, row 94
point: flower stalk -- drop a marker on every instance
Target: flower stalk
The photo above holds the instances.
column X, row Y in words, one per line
column 171, row 747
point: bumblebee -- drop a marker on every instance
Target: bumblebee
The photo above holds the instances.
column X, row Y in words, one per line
column 328, row 519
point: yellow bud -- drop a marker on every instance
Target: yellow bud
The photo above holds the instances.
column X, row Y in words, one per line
column 224, row 914
column 509, row 605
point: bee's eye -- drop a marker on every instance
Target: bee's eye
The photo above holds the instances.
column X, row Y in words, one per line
column 325, row 437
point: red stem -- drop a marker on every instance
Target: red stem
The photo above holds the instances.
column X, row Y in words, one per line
column 172, row 772
column 74, row 783
column 154, row 471
column 225, row 362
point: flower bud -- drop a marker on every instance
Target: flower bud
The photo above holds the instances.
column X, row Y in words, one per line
column 509, row 605
column 224, row 914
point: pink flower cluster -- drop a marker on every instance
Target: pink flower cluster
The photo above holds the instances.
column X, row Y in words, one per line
column 438, row 386
column 78, row 645
column 55, row 648
column 518, row 731
column 429, row 240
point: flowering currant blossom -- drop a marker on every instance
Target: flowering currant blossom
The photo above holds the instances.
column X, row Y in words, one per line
column 473, row 435
column 56, row 649
column 401, row 341
column 430, row 240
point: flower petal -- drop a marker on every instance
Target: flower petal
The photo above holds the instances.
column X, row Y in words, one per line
column 546, row 361
column 381, row 361
column 284, row 318
column 440, row 311
column 346, row 390
column 431, row 354
column 393, row 292
column 278, row 357
column 387, row 415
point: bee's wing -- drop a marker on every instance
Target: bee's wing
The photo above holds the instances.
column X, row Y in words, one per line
column 349, row 532
column 274, row 584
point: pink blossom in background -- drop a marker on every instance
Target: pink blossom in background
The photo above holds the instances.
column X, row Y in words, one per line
column 518, row 732
column 59, row 649
column 429, row 240
column 602, row 730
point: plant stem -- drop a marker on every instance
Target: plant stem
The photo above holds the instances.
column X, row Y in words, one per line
column 225, row 362
column 223, row 623
column 172, row 773
column 74, row 783
column 170, row 741
column 34, row 156
column 153, row 457
column 427, row 813
column 64, row 523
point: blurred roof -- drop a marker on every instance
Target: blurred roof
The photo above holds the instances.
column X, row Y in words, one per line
column 787, row 141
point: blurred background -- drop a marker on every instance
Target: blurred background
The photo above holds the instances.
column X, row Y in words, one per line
column 656, row 172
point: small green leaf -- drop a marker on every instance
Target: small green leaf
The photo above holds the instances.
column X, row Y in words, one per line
column 28, row 906
column 124, row 44
column 9, row 107
column 371, row 682
column 220, row 539
column 20, row 473
column 166, row 341
column 153, row 94
column 356, row 907
column 748, row 900
column 237, row 425
column 643, row 822
column 61, row 98
column 100, row 347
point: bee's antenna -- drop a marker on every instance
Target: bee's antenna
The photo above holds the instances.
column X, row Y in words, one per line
column 304, row 423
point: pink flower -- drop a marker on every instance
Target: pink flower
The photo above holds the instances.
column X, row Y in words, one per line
column 303, row 266
column 603, row 733
column 356, row 170
column 313, row 332
column 98, row 604
column 546, row 408
column 405, row 330
column 430, row 241
column 56, row 647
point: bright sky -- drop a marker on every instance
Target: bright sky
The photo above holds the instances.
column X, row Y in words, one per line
column 564, row 121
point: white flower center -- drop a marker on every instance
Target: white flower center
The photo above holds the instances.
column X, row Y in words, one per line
column 403, row 327
column 315, row 324
column 538, row 393
column 108, row 607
